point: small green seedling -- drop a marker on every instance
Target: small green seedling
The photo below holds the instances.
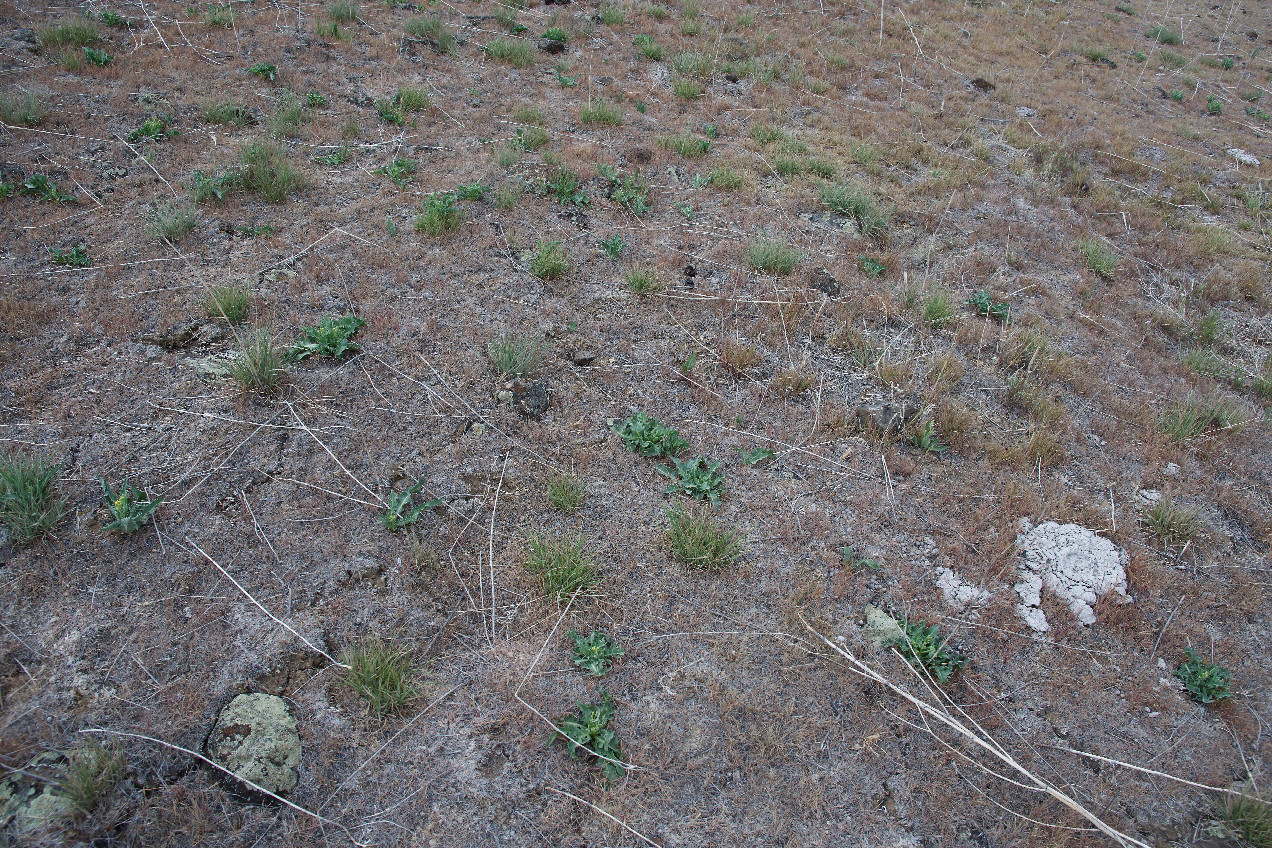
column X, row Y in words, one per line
column 100, row 58
column 687, row 366
column 1214, row 105
column 129, row 505
column 337, row 157
column 29, row 503
column 333, row 338
column 594, row 652
column 74, row 257
column 389, row 113
column 563, row 79
column 471, row 191
column 255, row 231
column 648, row 437
column 114, row 19
column 855, row 563
column 42, row 188
column 401, row 171
column 264, row 70
column 987, row 306
column 555, row 33
column 315, row 100
column 928, row 441
column 400, row 512
column 1205, row 683
column 872, row 266
column 923, row 647
column 698, row 477
column 588, row 731
column 152, row 129
column 613, row 246
column 755, row 457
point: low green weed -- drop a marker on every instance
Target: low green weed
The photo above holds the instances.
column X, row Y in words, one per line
column 1165, row 35
column 43, row 189
column 698, row 478
column 130, row 506
column 1204, row 682
column 332, row 338
column 22, row 108
column 432, row 30
column 91, row 772
column 73, row 32
column 204, row 187
column 648, row 48
column 71, row 257
column 265, row 71
column 116, row 20
column 613, row 245
column 928, row 441
column 588, row 731
column 1194, row 416
column 595, row 652
column 755, row 457
column 440, row 215
column 401, row 511
column 100, row 58
column 649, row 437
column 335, row 158
column 938, row 311
column 922, row 647
column 686, row 144
column 173, row 221
column 985, row 305
column 401, row 171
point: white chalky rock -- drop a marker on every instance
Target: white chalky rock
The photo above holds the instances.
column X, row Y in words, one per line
column 958, row 594
column 1074, row 563
column 1242, row 157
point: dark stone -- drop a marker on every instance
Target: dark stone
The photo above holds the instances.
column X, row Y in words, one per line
column 177, row 337
column 575, row 216
column 551, row 46
column 640, row 155
column 583, row 356
column 690, row 271
column 824, row 282
column 732, row 77
column 982, row 84
column 1106, row 61
column 529, row 398
column 885, row 419
column 27, row 35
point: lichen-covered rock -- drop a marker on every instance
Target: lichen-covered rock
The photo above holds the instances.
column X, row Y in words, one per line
column 881, row 628
column 1076, row 564
column 255, row 738
column 29, row 804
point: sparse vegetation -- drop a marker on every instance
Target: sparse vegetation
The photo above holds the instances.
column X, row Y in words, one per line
column 1100, row 260
column 923, row 647
column 22, row 108
column 173, row 221
column 440, row 215
column 1205, row 682
column 698, row 540
column 91, row 772
column 267, row 171
column 595, row 112
column 859, row 204
column 228, row 303
column 643, row 281
column 380, row 672
column 30, row 505
column 549, row 261
column 259, row 364
column 400, row 509
column 563, row 565
column 1172, row 524
column 772, row 256
column 516, row 356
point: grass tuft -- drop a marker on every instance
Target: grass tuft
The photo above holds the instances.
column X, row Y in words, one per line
column 772, row 256
column 381, row 673
column 259, row 365
column 228, row 302
column 1173, row 525
column 267, row 172
column 698, row 540
column 511, row 50
column 173, row 221
column 565, row 492
column 550, row 261
column 562, row 564
column 29, row 504
column 514, row 356
column 91, row 772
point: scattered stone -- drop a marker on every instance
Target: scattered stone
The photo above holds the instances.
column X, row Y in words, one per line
column 210, row 366
column 255, row 739
column 275, row 275
column 26, row 35
column 1106, row 61
column 177, row 337
column 881, row 628
column 30, row 800
column 959, row 594
column 1147, row 497
column 362, row 570
column 982, row 84
column 1170, row 469
column 1243, row 158
column 824, row 282
column 550, row 45
column 1074, row 563
column 885, row 418
column 529, row 398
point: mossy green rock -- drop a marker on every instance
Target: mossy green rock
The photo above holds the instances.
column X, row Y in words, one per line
column 255, row 738
column 28, row 804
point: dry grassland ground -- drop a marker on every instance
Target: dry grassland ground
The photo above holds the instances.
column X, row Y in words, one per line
column 843, row 179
